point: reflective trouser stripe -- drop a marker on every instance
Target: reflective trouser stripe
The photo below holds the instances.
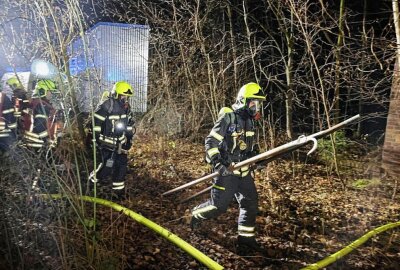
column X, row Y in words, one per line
column 218, row 187
column 245, row 228
column 246, row 234
column 246, row 231
column 4, row 135
column 118, row 185
column 197, row 213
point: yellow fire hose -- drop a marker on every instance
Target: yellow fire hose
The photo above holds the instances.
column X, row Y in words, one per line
column 341, row 253
column 195, row 253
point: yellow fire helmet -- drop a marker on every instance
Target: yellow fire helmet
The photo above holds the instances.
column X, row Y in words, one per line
column 247, row 92
column 122, row 88
column 43, row 86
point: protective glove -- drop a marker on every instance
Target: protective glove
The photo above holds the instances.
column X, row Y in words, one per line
column 222, row 169
column 214, row 160
column 220, row 165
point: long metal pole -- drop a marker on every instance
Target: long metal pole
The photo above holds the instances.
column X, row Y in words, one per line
column 272, row 154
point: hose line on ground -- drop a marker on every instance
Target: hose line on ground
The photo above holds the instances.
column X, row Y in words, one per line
column 195, row 253
column 343, row 252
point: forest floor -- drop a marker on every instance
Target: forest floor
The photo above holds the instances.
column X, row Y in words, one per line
column 305, row 215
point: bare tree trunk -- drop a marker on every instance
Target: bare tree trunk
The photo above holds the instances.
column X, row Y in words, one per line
column 233, row 45
column 362, row 82
column 249, row 40
column 391, row 147
column 339, row 44
column 289, row 75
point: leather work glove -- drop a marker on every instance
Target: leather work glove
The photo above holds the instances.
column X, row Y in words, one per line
column 223, row 170
column 220, row 165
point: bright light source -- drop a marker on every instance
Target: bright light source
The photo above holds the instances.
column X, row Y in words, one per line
column 120, row 126
column 43, row 69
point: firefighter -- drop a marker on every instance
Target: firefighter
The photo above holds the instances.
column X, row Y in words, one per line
column 40, row 133
column 114, row 130
column 8, row 122
column 230, row 141
column 21, row 104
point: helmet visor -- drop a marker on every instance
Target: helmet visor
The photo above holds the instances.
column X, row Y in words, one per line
column 254, row 106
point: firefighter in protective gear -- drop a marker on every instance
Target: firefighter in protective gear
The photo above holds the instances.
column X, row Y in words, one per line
column 21, row 104
column 114, row 130
column 8, row 122
column 231, row 140
column 41, row 130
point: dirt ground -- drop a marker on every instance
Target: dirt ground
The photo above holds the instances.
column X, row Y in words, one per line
column 305, row 214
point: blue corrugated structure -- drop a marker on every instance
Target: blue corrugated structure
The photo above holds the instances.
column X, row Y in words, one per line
column 110, row 52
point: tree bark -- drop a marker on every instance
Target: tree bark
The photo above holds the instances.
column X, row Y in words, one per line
column 391, row 147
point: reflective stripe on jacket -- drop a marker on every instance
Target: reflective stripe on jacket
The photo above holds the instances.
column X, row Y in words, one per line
column 232, row 137
column 113, row 123
column 42, row 124
column 7, row 120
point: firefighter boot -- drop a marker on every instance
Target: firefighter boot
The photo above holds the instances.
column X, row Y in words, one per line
column 195, row 223
column 116, row 195
column 248, row 246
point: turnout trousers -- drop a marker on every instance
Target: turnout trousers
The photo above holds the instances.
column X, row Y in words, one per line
column 224, row 189
column 117, row 172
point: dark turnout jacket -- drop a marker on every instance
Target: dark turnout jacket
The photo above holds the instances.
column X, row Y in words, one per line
column 232, row 137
